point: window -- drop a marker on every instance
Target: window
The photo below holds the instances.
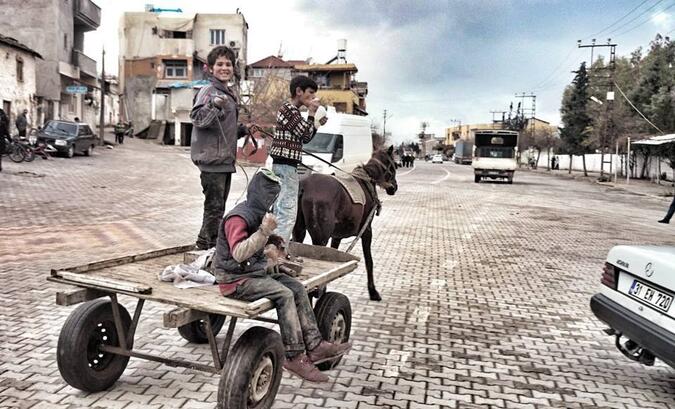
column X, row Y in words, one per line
column 175, row 68
column 217, row 37
column 19, row 69
column 258, row 72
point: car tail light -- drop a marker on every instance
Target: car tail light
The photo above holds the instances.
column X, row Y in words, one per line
column 609, row 276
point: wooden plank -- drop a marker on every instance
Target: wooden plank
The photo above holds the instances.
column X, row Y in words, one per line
column 78, row 295
column 105, row 283
column 126, row 259
column 182, row 316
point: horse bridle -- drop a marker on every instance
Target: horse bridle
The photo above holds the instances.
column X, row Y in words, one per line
column 387, row 168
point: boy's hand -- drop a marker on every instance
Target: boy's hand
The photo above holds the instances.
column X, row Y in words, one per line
column 269, row 223
column 323, row 120
column 218, row 101
column 313, row 106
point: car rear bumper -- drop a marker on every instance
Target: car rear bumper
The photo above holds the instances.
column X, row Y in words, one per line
column 648, row 335
column 494, row 172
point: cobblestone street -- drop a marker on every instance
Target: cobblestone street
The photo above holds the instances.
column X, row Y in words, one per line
column 485, row 287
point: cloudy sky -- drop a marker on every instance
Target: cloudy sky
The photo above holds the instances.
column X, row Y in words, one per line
column 432, row 60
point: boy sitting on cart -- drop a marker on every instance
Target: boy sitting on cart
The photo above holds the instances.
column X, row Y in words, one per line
column 241, row 271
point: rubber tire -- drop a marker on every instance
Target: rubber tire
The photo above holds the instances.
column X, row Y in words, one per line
column 89, row 151
column 71, row 350
column 70, row 152
column 250, row 348
column 195, row 332
column 476, row 178
column 17, row 154
column 326, row 311
column 510, row 180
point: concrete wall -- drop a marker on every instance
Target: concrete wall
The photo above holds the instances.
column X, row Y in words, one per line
column 138, row 95
column 235, row 30
column 21, row 94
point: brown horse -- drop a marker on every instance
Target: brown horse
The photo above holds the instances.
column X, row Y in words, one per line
column 326, row 210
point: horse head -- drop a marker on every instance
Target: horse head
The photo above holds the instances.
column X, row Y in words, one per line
column 382, row 168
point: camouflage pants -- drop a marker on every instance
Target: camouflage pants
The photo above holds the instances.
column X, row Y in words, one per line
column 216, row 187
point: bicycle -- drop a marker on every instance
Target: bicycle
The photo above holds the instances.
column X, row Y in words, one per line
column 15, row 150
column 34, row 147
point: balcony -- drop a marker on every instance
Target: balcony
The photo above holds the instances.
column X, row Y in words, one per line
column 85, row 64
column 87, row 15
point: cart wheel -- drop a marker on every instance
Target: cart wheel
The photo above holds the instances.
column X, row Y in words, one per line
column 81, row 363
column 195, row 331
column 334, row 317
column 252, row 373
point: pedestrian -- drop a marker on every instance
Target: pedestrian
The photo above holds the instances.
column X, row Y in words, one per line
column 22, row 123
column 77, row 119
column 215, row 132
column 242, row 272
column 4, row 133
column 669, row 214
column 292, row 131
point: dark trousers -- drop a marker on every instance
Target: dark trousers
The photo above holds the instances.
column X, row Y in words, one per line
column 299, row 330
column 22, row 133
column 216, row 187
column 671, row 211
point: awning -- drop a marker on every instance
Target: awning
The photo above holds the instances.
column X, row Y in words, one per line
column 656, row 140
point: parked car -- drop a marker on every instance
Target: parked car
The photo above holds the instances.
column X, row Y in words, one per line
column 438, row 158
column 68, row 137
column 636, row 302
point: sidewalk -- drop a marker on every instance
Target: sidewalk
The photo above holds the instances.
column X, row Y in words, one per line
column 640, row 187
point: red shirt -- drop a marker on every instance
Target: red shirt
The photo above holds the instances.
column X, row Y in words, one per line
column 236, row 232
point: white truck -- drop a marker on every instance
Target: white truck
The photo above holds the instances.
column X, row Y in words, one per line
column 636, row 302
column 344, row 141
column 494, row 154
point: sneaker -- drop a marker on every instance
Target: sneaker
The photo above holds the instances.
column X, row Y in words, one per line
column 303, row 367
column 664, row 221
column 327, row 351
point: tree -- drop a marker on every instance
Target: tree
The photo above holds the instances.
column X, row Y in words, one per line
column 574, row 116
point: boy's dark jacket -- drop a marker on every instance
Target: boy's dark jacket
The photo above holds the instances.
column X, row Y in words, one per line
column 215, row 131
column 261, row 194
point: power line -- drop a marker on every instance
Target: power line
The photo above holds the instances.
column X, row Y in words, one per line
column 636, row 17
column 617, row 21
column 644, row 22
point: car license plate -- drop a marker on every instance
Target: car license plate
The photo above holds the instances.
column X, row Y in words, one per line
column 650, row 295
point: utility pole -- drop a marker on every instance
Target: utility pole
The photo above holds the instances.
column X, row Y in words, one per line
column 101, row 125
column 531, row 112
column 384, row 126
column 503, row 114
column 607, row 135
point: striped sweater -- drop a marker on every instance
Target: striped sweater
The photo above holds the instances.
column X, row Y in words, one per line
column 291, row 132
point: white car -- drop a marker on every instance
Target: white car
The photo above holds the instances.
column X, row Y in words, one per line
column 437, row 159
column 636, row 302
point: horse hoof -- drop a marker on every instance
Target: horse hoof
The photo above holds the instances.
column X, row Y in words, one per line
column 374, row 295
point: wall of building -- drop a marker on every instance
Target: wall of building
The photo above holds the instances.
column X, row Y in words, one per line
column 235, row 30
column 20, row 94
column 35, row 24
column 332, row 97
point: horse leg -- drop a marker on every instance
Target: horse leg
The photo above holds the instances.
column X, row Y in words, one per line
column 335, row 242
column 366, row 240
column 300, row 229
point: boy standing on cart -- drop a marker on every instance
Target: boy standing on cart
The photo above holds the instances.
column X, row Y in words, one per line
column 241, row 272
column 292, row 131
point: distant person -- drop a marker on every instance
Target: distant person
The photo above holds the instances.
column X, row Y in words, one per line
column 22, row 123
column 77, row 119
column 669, row 214
column 4, row 134
column 215, row 131
column 292, row 131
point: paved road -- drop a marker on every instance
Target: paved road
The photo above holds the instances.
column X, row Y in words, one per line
column 485, row 287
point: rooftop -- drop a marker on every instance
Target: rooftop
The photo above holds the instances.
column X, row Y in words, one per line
column 14, row 43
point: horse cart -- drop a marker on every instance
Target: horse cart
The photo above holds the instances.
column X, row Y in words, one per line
column 97, row 339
